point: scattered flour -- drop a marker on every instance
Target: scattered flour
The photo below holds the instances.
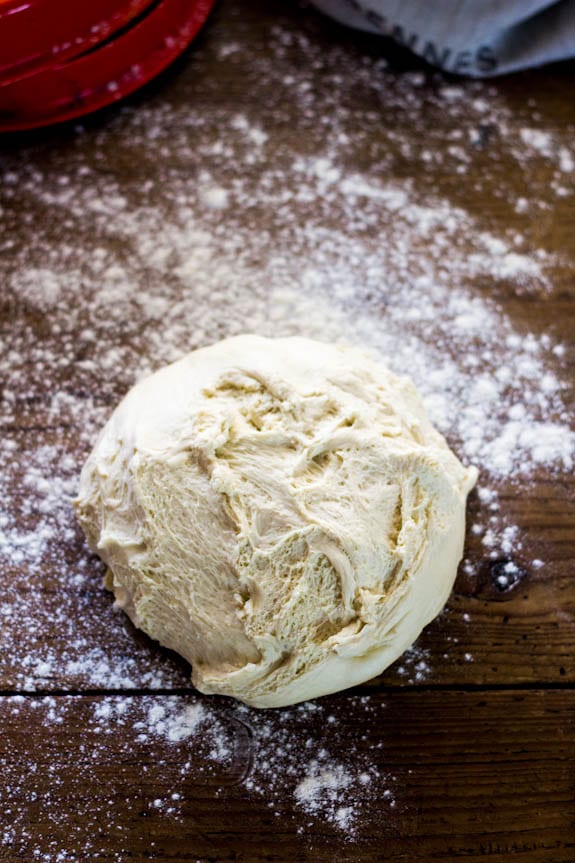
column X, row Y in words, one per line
column 283, row 758
column 174, row 225
column 414, row 665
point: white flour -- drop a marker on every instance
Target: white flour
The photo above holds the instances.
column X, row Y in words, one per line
column 279, row 757
column 177, row 225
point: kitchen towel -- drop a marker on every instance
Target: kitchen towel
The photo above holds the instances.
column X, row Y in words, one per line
column 468, row 37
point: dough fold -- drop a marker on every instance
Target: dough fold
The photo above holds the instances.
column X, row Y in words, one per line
column 280, row 512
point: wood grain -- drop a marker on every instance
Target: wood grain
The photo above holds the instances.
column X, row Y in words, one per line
column 480, row 753
column 440, row 752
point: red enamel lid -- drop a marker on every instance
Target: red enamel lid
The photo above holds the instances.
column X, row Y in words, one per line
column 60, row 59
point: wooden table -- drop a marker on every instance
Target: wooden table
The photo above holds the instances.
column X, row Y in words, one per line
column 480, row 755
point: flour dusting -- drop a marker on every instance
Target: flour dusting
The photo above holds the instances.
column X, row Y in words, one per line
column 178, row 223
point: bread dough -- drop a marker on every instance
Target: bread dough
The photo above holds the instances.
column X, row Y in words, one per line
column 278, row 511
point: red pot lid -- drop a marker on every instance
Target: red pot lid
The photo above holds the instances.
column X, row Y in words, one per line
column 60, row 60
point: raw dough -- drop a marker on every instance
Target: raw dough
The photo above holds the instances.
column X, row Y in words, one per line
column 280, row 512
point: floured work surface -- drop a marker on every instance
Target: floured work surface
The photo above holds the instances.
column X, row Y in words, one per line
column 283, row 180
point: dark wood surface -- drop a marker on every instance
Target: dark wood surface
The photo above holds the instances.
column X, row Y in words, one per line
column 480, row 754
column 481, row 775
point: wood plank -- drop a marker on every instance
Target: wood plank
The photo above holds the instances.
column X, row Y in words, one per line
column 471, row 774
column 453, row 775
column 60, row 631
column 465, row 748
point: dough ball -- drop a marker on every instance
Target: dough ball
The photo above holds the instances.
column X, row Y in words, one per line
column 278, row 511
